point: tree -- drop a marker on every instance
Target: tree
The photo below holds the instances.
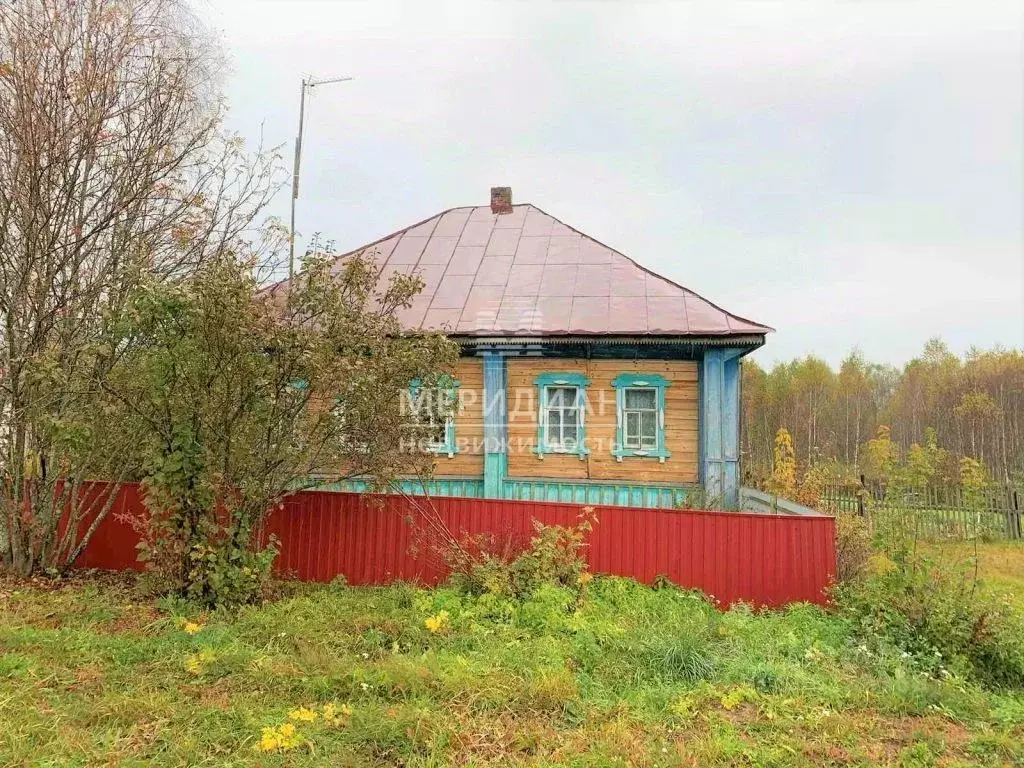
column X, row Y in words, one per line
column 783, row 480
column 814, row 386
column 112, row 172
column 923, row 464
column 880, row 455
column 975, row 414
column 854, row 389
column 242, row 397
column 972, row 474
column 974, row 405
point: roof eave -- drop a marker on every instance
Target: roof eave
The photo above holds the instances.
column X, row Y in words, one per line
column 752, row 340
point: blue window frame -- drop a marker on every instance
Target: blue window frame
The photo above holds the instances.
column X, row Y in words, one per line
column 640, row 416
column 561, row 414
column 440, row 435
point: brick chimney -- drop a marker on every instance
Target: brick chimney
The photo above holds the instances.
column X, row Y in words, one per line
column 501, row 200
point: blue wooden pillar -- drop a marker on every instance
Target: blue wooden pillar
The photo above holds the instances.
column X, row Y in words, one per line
column 495, row 426
column 720, row 426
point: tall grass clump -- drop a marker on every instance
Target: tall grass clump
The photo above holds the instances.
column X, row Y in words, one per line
column 684, row 657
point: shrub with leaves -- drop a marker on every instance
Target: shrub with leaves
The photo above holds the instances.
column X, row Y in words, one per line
column 853, row 546
column 935, row 612
column 243, row 397
column 554, row 557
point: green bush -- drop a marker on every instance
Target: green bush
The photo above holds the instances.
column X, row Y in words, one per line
column 225, row 575
column 935, row 613
column 204, row 563
column 554, row 557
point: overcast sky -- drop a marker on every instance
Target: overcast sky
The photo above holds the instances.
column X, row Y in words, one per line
column 850, row 174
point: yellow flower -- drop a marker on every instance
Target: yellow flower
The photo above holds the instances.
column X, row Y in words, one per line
column 438, row 623
column 273, row 739
column 268, row 741
column 585, row 578
column 737, row 696
column 336, row 715
column 196, row 663
column 191, row 627
column 303, row 714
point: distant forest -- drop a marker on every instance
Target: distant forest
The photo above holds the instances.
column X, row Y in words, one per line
column 937, row 410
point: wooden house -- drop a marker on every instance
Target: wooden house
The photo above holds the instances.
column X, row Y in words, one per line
column 584, row 376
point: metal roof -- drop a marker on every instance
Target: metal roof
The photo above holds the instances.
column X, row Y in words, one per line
column 526, row 273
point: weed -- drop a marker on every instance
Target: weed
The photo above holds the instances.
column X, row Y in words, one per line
column 938, row 616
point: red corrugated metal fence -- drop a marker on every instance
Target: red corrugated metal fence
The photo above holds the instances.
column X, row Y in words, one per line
column 376, row 539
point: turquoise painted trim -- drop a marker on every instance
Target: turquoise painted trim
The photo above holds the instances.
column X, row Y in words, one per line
column 558, row 379
column 719, row 427
column 625, row 381
column 585, row 492
column 642, row 349
column 606, row 494
column 495, row 425
column 731, row 430
column 472, row 488
column 495, row 472
column 450, row 385
column 640, row 380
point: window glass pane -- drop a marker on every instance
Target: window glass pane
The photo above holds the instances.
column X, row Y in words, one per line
column 554, row 420
column 562, row 416
column 569, row 430
column 437, row 435
column 561, row 396
column 632, row 430
column 569, row 418
column 640, row 418
column 641, row 398
column 430, row 407
column 648, row 430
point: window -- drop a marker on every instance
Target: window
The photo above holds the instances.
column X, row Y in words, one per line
column 562, row 407
column 640, row 416
column 433, row 426
column 433, row 416
column 562, row 418
column 347, row 427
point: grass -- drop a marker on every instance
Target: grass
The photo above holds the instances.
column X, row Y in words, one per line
column 92, row 672
column 1000, row 565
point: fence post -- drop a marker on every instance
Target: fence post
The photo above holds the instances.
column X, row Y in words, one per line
column 860, row 497
column 1015, row 531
